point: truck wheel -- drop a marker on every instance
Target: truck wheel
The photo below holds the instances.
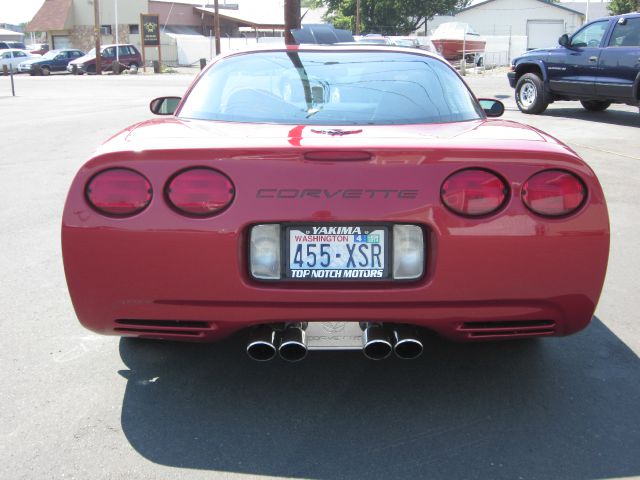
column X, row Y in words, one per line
column 595, row 105
column 530, row 94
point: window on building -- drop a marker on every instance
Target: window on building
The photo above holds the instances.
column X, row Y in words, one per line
column 134, row 29
column 105, row 29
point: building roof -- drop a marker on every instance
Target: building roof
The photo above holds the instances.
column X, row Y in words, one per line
column 199, row 3
column 10, row 33
column 263, row 14
column 547, row 2
column 256, row 15
column 51, row 16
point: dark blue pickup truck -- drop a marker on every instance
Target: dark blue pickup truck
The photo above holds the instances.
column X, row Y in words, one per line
column 598, row 65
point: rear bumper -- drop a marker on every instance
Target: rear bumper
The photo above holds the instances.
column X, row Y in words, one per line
column 163, row 275
column 133, row 283
column 461, row 321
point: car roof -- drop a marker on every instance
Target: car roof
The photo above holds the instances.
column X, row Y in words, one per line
column 610, row 17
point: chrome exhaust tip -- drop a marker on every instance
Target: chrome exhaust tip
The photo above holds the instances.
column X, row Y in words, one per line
column 293, row 343
column 376, row 344
column 262, row 343
column 406, row 344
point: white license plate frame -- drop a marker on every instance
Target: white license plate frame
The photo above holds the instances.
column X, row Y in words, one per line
column 372, row 244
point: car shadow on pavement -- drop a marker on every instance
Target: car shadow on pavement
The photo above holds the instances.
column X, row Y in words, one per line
column 553, row 408
column 612, row 116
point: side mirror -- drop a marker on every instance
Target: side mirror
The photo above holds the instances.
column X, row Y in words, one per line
column 164, row 105
column 564, row 40
column 492, row 108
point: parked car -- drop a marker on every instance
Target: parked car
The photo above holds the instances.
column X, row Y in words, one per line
column 598, row 65
column 39, row 48
column 52, row 61
column 128, row 55
column 12, row 44
column 305, row 193
column 13, row 57
column 410, row 42
column 374, row 39
column 422, row 43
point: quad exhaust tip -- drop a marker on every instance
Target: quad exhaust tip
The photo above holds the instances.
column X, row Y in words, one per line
column 262, row 343
column 293, row 343
column 406, row 343
column 376, row 344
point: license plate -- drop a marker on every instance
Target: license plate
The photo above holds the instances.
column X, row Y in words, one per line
column 337, row 252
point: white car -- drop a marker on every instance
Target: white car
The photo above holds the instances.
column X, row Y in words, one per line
column 12, row 57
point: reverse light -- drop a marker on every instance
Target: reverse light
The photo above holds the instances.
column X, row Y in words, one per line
column 474, row 192
column 118, row 192
column 264, row 246
column 554, row 193
column 199, row 191
column 408, row 252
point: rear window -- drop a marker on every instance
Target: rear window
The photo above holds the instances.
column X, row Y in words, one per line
column 331, row 88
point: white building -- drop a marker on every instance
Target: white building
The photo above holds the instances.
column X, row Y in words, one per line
column 542, row 22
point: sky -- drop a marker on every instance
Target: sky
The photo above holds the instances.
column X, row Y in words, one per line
column 18, row 11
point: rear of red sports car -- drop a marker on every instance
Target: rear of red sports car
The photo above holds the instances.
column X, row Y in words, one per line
column 352, row 209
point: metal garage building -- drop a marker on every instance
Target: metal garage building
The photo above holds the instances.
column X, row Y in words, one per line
column 542, row 22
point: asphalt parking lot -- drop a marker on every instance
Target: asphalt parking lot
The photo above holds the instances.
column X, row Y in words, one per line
column 79, row 405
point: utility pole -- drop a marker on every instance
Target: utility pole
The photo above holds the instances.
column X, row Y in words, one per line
column 586, row 17
column 357, row 17
column 216, row 25
column 96, row 29
column 291, row 20
column 117, row 41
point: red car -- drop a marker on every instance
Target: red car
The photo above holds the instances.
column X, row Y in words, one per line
column 334, row 197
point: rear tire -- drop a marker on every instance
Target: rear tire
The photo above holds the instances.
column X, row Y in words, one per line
column 45, row 71
column 530, row 96
column 595, row 105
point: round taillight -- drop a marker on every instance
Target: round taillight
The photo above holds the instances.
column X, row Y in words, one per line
column 474, row 192
column 119, row 192
column 553, row 193
column 200, row 191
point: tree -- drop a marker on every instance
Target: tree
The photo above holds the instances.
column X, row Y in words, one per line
column 398, row 17
column 617, row 7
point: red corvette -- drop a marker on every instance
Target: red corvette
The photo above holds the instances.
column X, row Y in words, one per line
column 334, row 197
